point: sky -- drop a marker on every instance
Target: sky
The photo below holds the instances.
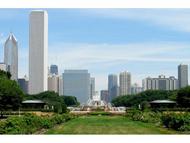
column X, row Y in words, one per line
column 145, row 42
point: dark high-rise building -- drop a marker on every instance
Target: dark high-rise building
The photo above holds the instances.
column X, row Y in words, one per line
column 183, row 75
column 112, row 87
column 23, row 83
column 54, row 69
column 77, row 83
column 104, row 95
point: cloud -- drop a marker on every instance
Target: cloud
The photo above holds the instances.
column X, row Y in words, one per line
column 176, row 19
column 84, row 55
column 102, row 59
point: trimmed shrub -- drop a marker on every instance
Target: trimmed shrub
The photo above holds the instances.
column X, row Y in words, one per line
column 177, row 121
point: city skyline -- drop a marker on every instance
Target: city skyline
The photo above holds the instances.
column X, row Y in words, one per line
column 113, row 46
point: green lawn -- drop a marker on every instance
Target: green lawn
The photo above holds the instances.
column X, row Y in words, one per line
column 107, row 125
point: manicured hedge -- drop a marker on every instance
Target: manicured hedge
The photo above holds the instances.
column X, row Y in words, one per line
column 178, row 121
column 30, row 123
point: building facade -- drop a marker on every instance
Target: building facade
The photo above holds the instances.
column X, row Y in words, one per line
column 160, row 83
column 112, row 87
column 54, row 69
column 125, row 83
column 53, row 83
column 23, row 83
column 38, row 52
column 104, row 95
column 92, row 87
column 135, row 89
column 60, row 85
column 77, row 83
column 183, row 75
column 11, row 56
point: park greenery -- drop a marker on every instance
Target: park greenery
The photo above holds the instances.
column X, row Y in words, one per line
column 52, row 99
column 11, row 95
column 30, row 123
column 144, row 98
column 181, row 96
column 145, row 118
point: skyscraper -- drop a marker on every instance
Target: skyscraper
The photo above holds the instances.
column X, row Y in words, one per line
column 77, row 83
column 125, row 83
column 112, row 87
column 54, row 69
column 104, row 95
column 183, row 75
column 92, row 87
column 23, row 83
column 160, row 83
column 60, row 85
column 53, row 83
column 38, row 51
column 11, row 56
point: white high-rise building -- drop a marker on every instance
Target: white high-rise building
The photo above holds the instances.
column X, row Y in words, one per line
column 125, row 83
column 160, row 83
column 53, row 83
column 60, row 85
column 11, row 56
column 183, row 75
column 38, row 52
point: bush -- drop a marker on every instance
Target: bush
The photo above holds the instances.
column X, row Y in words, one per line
column 30, row 123
column 177, row 121
column 147, row 117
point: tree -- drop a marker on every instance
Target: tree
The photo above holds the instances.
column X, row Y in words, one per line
column 10, row 95
column 70, row 100
column 52, row 99
column 4, row 74
column 149, row 95
column 183, row 97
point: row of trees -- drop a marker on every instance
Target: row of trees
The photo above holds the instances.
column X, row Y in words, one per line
column 11, row 96
column 181, row 96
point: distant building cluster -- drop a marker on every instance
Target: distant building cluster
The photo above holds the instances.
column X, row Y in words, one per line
column 77, row 82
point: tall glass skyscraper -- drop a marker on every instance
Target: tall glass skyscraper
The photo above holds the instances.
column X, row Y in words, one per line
column 112, row 87
column 38, row 52
column 77, row 83
column 54, row 69
column 183, row 75
column 11, row 56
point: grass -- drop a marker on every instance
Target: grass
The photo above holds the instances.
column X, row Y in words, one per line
column 107, row 125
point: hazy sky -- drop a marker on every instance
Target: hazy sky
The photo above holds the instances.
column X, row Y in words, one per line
column 145, row 42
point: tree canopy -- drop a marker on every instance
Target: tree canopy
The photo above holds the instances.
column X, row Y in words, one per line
column 183, row 97
column 51, row 98
column 149, row 95
column 10, row 93
column 70, row 100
